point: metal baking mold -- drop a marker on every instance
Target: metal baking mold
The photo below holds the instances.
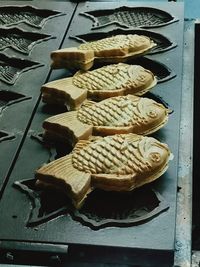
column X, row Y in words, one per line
column 19, row 40
column 129, row 17
column 163, row 43
column 11, row 68
column 8, row 98
column 33, row 16
column 43, row 208
column 6, row 136
column 101, row 208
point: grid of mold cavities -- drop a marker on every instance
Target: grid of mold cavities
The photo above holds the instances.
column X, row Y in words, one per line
column 91, row 214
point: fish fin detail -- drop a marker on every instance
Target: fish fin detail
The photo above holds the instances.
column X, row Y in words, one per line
column 66, row 126
column 133, row 138
column 87, row 103
column 63, row 175
column 63, row 92
column 80, row 145
column 72, row 58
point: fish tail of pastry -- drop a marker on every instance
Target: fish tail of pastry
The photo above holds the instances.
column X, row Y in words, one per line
column 63, row 92
column 66, row 127
column 62, row 175
column 72, row 58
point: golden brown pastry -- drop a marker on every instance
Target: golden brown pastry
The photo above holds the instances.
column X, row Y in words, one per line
column 115, row 115
column 112, row 49
column 108, row 81
column 114, row 163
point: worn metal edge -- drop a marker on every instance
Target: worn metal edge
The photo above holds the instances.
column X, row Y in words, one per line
column 184, row 197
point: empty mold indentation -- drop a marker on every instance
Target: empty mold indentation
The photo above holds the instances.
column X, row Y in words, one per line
column 145, row 17
column 162, row 42
column 8, row 98
column 44, row 206
column 101, row 208
column 19, row 40
column 6, row 136
column 35, row 17
column 12, row 67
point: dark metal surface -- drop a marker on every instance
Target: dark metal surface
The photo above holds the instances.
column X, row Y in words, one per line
column 28, row 14
column 12, row 68
column 119, row 209
column 184, row 196
column 196, row 144
column 152, row 242
column 15, row 118
column 22, row 41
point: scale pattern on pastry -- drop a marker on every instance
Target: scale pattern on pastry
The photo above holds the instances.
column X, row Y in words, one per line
column 108, row 81
column 114, row 77
column 114, row 163
column 122, row 114
column 114, row 49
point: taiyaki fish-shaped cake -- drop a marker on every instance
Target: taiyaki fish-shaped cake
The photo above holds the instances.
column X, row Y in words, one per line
column 108, row 81
column 112, row 49
column 115, row 115
column 115, row 163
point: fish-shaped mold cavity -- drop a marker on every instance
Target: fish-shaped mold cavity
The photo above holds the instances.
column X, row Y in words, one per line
column 33, row 16
column 129, row 17
column 11, row 68
column 119, row 208
column 108, row 81
column 113, row 49
column 19, row 40
column 113, row 163
column 116, row 115
column 163, row 43
column 8, row 98
column 4, row 136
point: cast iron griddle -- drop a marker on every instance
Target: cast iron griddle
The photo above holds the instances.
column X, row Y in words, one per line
column 144, row 17
column 19, row 40
column 152, row 241
column 26, row 78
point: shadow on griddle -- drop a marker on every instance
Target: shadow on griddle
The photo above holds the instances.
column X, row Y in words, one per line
column 53, row 109
column 101, row 208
